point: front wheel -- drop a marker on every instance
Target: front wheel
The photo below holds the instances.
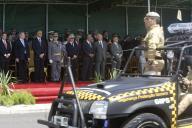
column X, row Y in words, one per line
column 145, row 120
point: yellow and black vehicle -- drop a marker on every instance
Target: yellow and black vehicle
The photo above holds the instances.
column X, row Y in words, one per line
column 129, row 101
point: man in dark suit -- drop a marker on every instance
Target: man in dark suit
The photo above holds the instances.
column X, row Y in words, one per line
column 5, row 52
column 40, row 48
column 117, row 53
column 22, row 58
column 72, row 53
column 88, row 55
column 100, row 49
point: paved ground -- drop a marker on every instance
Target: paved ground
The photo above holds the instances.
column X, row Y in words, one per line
column 21, row 109
column 22, row 120
column 26, row 116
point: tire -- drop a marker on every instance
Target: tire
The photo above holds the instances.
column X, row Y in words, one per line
column 145, row 120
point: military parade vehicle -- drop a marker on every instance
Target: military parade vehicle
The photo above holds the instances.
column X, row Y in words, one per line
column 128, row 101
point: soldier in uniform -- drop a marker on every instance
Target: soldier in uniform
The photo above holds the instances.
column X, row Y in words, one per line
column 153, row 40
column 56, row 53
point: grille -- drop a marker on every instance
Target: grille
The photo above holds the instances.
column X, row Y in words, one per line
column 85, row 105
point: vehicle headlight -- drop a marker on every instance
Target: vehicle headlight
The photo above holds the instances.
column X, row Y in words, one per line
column 99, row 109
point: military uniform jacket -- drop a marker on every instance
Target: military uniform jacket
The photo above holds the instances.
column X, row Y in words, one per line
column 154, row 39
column 56, row 51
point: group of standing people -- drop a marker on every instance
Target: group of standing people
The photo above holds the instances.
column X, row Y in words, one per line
column 90, row 52
column 20, row 51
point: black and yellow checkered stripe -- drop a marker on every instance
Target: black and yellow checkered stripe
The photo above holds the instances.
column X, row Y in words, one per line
column 173, row 105
column 168, row 87
column 164, row 88
column 86, row 95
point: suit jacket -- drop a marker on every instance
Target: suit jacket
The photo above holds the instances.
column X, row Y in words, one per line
column 3, row 50
column 116, row 51
column 21, row 52
column 39, row 48
column 72, row 50
column 87, row 49
column 100, row 53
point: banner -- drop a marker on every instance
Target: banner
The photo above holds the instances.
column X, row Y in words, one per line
column 180, row 28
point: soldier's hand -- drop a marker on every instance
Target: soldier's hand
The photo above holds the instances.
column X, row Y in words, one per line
column 186, row 81
column 91, row 55
column 17, row 60
column 8, row 55
column 42, row 55
column 149, row 62
column 50, row 61
column 74, row 56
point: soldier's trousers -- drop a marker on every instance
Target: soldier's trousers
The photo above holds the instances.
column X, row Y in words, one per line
column 55, row 70
column 184, row 103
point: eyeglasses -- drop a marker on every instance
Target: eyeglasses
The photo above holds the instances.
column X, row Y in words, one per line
column 55, row 36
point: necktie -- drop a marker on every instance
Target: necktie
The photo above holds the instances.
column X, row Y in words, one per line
column 23, row 43
column 89, row 44
column 101, row 44
column 40, row 41
column 5, row 43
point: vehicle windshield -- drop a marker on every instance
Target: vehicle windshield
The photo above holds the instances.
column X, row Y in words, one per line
column 176, row 55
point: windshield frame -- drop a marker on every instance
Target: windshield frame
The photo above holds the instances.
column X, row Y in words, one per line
column 173, row 46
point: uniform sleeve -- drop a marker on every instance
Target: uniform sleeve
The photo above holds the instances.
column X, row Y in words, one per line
column 152, row 41
column 49, row 50
column 64, row 50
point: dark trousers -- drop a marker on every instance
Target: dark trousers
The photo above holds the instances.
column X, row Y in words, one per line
column 100, row 68
column 39, row 70
column 86, row 72
column 116, row 64
column 74, row 65
column 4, row 66
column 22, row 71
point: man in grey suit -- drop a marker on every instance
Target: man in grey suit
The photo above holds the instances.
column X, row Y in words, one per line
column 56, row 53
column 100, row 48
column 117, row 53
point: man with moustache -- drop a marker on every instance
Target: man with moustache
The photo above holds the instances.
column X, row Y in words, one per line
column 56, row 53
column 153, row 40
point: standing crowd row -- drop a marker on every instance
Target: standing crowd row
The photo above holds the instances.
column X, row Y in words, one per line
column 92, row 50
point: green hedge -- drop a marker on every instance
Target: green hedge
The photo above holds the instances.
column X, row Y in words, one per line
column 17, row 98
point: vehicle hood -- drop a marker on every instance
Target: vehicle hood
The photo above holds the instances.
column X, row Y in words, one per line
column 108, row 88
